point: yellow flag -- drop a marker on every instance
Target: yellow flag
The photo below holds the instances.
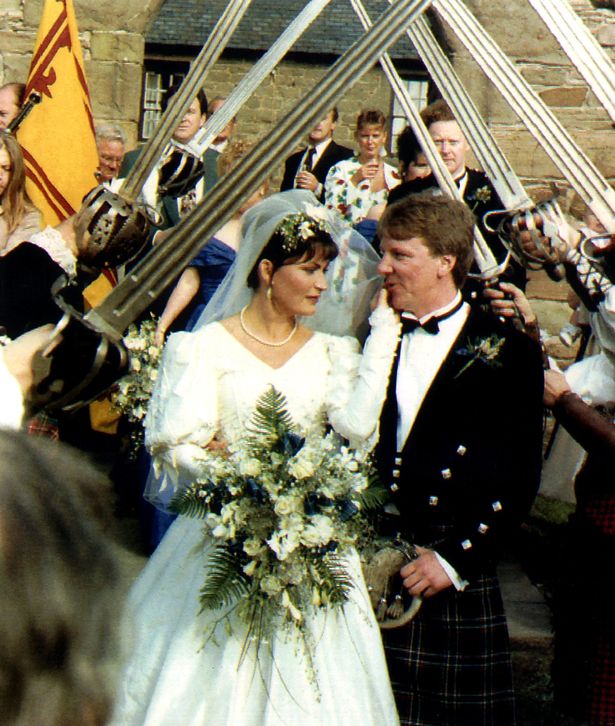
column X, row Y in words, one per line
column 57, row 137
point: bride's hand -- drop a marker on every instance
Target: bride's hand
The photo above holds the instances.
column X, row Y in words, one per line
column 380, row 300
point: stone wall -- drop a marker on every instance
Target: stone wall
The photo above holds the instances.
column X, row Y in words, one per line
column 111, row 34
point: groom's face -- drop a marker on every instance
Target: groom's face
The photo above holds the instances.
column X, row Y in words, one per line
column 412, row 274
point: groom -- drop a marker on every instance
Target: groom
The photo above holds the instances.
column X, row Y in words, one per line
column 460, row 450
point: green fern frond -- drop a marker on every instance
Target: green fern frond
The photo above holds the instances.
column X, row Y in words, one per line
column 270, row 417
column 374, row 496
column 187, row 503
column 335, row 583
column 225, row 582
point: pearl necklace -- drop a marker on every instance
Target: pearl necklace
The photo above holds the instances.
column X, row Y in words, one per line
column 260, row 340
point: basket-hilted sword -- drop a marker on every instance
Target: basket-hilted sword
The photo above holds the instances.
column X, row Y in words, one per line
column 68, row 380
column 575, row 165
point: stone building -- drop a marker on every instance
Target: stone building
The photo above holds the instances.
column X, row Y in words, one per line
column 133, row 50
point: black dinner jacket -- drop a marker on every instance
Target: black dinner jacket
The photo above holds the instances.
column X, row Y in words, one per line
column 330, row 156
column 481, row 197
column 470, row 467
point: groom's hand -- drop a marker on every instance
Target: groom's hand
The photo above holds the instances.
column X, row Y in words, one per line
column 425, row 576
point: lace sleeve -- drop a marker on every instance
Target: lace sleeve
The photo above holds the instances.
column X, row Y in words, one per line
column 358, row 382
column 183, row 413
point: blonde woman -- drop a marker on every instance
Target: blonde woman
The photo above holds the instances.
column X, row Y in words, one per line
column 19, row 218
column 355, row 185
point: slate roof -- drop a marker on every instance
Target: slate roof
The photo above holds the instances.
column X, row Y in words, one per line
column 189, row 22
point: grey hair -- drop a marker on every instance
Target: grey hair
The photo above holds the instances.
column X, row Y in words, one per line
column 110, row 132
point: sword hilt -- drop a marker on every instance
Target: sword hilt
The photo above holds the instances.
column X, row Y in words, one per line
column 33, row 100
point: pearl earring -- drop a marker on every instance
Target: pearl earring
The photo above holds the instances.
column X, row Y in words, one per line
column 269, row 293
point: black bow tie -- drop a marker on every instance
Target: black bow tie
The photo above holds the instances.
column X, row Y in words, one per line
column 409, row 325
column 431, row 325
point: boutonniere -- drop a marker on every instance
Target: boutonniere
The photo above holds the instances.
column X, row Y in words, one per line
column 486, row 350
column 480, row 196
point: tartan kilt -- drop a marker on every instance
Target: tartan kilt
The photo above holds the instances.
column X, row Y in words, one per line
column 451, row 666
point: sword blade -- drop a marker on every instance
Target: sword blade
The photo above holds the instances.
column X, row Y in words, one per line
column 575, row 165
column 192, row 83
column 581, row 47
column 485, row 258
column 259, row 71
column 138, row 289
column 485, row 147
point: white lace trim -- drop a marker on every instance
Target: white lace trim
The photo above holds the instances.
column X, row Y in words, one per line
column 54, row 245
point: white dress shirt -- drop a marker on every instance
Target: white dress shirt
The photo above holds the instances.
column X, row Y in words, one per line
column 420, row 358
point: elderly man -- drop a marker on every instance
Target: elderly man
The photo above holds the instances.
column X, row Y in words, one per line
column 460, row 450
column 476, row 189
column 111, row 146
column 308, row 168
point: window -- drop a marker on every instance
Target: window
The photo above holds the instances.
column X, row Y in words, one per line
column 158, row 78
column 417, row 88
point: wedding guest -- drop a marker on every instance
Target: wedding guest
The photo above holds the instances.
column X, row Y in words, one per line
column 111, row 146
column 354, row 186
column 308, row 168
column 59, row 587
column 19, row 218
column 11, row 101
column 412, row 161
column 583, row 670
column 16, row 374
column 461, row 474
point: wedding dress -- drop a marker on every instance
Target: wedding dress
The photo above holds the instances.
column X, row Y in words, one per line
column 209, row 384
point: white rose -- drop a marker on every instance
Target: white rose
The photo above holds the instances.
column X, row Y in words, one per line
column 251, row 467
column 319, row 531
column 287, row 505
column 253, row 547
column 301, row 468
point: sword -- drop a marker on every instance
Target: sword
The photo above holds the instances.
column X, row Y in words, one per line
column 537, row 117
column 581, row 47
column 259, row 71
column 211, row 51
column 485, row 259
column 72, row 381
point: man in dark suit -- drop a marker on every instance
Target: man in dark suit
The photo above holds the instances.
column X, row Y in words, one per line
column 308, row 168
column 460, row 450
column 476, row 189
column 181, row 198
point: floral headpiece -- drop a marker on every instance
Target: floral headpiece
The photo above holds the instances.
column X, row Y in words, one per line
column 298, row 227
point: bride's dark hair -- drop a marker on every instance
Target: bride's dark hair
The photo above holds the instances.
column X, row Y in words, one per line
column 278, row 253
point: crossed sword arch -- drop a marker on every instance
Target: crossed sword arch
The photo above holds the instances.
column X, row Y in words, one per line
column 106, row 323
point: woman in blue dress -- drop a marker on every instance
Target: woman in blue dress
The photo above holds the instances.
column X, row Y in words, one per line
column 201, row 278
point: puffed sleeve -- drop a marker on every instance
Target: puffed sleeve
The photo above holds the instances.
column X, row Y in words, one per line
column 183, row 413
column 358, row 381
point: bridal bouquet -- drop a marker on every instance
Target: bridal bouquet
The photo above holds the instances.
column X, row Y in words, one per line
column 282, row 512
column 132, row 393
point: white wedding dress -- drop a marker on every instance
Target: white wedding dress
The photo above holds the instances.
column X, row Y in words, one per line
column 208, row 385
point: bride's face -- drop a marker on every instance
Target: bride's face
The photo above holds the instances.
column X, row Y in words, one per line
column 297, row 287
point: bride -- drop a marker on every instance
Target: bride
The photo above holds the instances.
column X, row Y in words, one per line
column 207, row 388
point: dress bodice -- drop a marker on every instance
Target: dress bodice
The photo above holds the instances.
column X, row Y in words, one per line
column 209, row 384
